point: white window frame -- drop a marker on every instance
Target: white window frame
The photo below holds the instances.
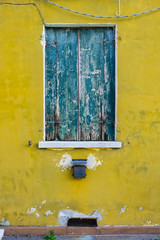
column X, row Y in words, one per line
column 79, row 144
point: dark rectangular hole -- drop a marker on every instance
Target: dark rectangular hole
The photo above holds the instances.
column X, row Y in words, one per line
column 82, row 222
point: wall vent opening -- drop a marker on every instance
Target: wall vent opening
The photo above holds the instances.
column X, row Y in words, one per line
column 82, row 222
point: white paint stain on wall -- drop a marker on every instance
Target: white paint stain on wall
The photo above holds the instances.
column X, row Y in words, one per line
column 65, row 162
column 48, row 213
column 149, row 222
column 44, row 202
column 31, row 211
column 4, row 222
column 37, row 214
column 64, row 215
column 123, row 209
column 34, row 211
column 92, row 162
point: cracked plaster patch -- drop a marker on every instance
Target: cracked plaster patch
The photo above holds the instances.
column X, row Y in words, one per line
column 4, row 222
column 64, row 215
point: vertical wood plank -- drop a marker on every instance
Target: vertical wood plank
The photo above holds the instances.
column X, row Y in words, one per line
column 61, row 84
column 50, row 84
column 109, row 66
column 97, row 100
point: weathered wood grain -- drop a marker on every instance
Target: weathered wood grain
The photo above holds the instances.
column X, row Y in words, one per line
column 97, row 77
column 61, row 84
column 80, row 84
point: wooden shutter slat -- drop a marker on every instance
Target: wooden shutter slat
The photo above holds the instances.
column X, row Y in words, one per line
column 61, row 74
column 97, row 100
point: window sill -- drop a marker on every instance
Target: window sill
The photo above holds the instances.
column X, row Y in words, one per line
column 79, row 144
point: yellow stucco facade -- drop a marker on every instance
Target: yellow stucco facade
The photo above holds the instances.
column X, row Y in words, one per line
column 124, row 184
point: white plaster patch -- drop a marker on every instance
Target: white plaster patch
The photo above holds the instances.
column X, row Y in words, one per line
column 64, row 215
column 48, row 213
column 31, row 211
column 4, row 222
column 92, row 162
column 123, row 209
column 37, row 214
column 149, row 222
column 141, row 208
column 43, row 202
column 65, row 162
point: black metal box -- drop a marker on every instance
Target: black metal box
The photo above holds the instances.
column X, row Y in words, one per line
column 79, row 171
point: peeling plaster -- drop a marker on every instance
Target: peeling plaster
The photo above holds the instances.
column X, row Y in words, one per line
column 92, row 162
column 149, row 222
column 48, row 213
column 31, row 211
column 64, row 215
column 123, row 209
column 37, row 214
column 44, row 202
column 34, row 210
column 66, row 162
column 4, row 222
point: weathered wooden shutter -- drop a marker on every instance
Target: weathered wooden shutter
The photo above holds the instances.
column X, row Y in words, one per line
column 97, row 77
column 61, row 85
column 80, row 84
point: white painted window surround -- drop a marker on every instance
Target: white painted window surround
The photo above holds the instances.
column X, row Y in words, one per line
column 79, row 144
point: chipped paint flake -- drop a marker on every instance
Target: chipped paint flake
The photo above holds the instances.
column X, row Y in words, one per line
column 92, row 162
column 31, row 211
column 44, row 202
column 141, row 208
column 65, row 162
column 37, row 214
column 123, row 209
column 4, row 222
column 48, row 213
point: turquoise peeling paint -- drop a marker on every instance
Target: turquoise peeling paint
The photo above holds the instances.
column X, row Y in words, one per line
column 80, row 84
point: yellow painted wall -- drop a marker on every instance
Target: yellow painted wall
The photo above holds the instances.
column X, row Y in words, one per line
column 126, row 177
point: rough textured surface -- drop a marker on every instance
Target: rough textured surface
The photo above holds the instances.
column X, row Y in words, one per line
column 127, row 177
column 61, row 96
column 89, row 237
column 80, row 84
column 64, row 215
